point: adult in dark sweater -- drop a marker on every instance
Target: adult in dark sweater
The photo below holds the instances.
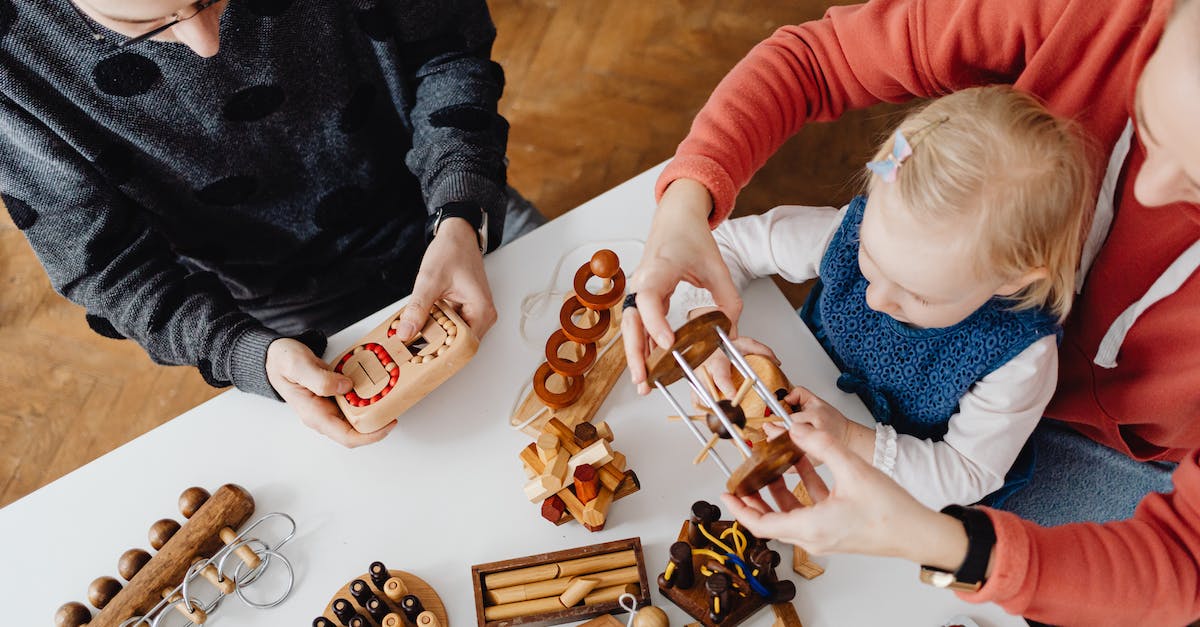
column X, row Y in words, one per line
column 214, row 179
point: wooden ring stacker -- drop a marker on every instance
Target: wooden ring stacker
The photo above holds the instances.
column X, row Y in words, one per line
column 589, row 335
column 565, row 367
column 411, row 584
column 556, row 400
column 605, row 300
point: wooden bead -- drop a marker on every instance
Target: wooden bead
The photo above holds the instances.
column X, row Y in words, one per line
column 131, row 562
column 733, row 413
column 161, row 532
column 605, row 264
column 102, row 590
column 73, row 614
column 650, row 616
column 191, row 500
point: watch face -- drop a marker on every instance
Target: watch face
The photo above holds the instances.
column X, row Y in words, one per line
column 941, row 580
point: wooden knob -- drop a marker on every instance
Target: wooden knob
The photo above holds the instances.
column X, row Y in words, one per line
column 191, row 500
column 131, row 562
column 102, row 590
column 162, row 531
column 73, row 614
column 650, row 616
column 427, row 619
column 605, row 264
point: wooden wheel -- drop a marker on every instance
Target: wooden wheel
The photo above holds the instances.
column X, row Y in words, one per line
column 770, row 460
column 695, row 340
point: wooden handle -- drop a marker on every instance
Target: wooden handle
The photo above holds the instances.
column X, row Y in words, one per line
column 230, row 506
column 244, row 552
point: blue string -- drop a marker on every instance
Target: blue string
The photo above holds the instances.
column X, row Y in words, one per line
column 755, row 585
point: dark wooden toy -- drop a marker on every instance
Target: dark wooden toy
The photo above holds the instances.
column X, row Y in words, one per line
column 383, row 597
column 209, row 520
column 560, row 587
column 714, row 581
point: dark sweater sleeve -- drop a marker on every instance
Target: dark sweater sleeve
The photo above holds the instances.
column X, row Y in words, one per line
column 459, row 137
column 101, row 252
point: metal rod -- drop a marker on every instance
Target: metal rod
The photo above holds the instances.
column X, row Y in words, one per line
column 693, row 428
column 708, row 399
column 743, row 367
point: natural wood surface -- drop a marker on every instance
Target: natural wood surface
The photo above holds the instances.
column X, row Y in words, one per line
column 596, row 93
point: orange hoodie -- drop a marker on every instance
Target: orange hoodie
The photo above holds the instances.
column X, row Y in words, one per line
column 1083, row 59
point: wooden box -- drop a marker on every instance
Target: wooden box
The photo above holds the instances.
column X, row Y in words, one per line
column 480, row 572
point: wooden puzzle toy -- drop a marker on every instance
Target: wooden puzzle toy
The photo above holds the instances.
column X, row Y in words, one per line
column 584, row 358
column 384, row 598
column 726, row 419
column 720, row 573
column 390, row 376
column 206, row 546
column 575, row 474
column 560, row 587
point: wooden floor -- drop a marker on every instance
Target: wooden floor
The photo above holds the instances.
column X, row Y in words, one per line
column 597, row 92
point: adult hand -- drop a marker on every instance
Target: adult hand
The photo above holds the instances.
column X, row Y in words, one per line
column 865, row 512
column 680, row 247
column 452, row 270
column 304, row 382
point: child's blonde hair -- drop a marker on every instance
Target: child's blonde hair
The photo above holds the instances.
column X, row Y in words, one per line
column 996, row 156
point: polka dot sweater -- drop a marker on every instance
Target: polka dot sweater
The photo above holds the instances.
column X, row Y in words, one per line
column 171, row 194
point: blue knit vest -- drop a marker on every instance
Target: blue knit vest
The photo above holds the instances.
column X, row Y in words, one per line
column 909, row 378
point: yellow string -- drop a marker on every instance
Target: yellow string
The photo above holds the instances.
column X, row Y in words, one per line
column 713, row 554
column 670, row 571
column 724, row 546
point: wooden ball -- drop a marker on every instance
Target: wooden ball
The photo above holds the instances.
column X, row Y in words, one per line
column 162, row 531
column 605, row 264
column 191, row 500
column 131, row 562
column 102, row 590
column 733, row 413
column 73, row 614
column 650, row 616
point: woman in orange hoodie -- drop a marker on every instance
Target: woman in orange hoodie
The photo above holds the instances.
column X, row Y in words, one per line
column 1129, row 74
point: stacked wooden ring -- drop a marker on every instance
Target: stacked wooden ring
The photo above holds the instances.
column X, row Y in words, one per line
column 596, row 308
column 153, row 578
column 384, row 598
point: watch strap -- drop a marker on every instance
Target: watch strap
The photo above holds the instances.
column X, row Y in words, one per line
column 981, row 538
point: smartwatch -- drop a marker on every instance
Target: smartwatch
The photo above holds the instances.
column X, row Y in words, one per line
column 981, row 537
column 473, row 214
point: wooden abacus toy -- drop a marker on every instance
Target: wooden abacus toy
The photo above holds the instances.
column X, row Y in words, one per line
column 384, row 598
column 390, row 376
column 574, row 473
column 560, row 587
column 583, row 358
column 694, row 342
column 720, row 574
column 199, row 549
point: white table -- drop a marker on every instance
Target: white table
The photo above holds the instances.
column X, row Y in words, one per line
column 448, row 476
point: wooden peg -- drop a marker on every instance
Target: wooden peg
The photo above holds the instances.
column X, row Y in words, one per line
column 344, row 610
column 578, row 589
column 395, row 590
column 361, row 592
column 225, row 584
column 393, row 620
column 708, row 446
column 553, row 508
column 247, row 555
column 73, row 614
column 742, row 391
column 803, row 565
column 707, row 379
column 321, row 621
column 102, row 590
column 559, row 467
column 785, row 615
column 720, row 595
column 611, row 593
column 427, row 619
column 161, row 532
column 587, row 483
column 680, row 572
column 604, row 431
column 377, row 608
column 595, row 513
column 597, row 454
column 618, row 461
column 131, row 562
column 703, row 515
column 411, row 606
column 197, row 615
column 541, row 487
column 585, row 434
column 802, row 495
column 380, row 576
column 572, row 502
column 547, row 446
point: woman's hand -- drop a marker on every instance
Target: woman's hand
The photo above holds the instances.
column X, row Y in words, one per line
column 680, row 247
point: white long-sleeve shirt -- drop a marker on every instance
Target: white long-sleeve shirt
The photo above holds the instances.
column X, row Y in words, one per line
column 996, row 415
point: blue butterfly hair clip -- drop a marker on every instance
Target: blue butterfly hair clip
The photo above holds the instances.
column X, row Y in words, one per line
column 889, row 167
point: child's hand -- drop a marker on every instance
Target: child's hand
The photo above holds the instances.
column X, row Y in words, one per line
column 303, row 380
column 824, row 417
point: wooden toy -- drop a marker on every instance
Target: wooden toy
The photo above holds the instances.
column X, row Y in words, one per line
column 575, row 474
column 720, row 573
column 385, row 598
column 694, row 342
column 584, row 357
column 390, row 376
column 206, row 546
column 560, row 587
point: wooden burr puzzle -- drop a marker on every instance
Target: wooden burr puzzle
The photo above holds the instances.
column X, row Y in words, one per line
column 206, row 546
column 720, row 574
column 390, row 376
column 561, row 587
column 763, row 460
column 384, row 598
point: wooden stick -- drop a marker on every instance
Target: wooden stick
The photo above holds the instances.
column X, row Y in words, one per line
column 802, row 495
column 575, row 592
column 692, row 417
column 595, row 513
column 555, row 587
column 569, row 568
column 747, row 385
column 712, row 441
column 803, row 565
column 611, row 593
column 522, row 608
column 706, row 376
column 785, row 615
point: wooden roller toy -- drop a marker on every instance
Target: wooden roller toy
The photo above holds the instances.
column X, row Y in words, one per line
column 210, row 521
column 384, row 598
column 390, row 375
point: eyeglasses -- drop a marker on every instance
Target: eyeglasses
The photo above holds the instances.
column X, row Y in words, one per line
column 177, row 17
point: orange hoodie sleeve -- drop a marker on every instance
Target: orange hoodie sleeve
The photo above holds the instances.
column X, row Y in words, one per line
column 1143, row 571
column 886, row 50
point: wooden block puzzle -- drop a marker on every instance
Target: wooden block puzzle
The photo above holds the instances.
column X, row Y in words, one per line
column 390, row 376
